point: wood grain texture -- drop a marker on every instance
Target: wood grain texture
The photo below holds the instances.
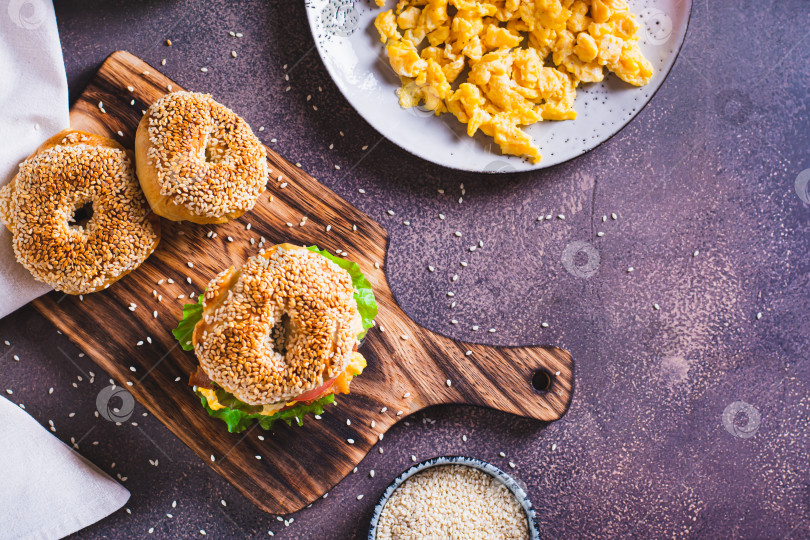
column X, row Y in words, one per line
column 298, row 464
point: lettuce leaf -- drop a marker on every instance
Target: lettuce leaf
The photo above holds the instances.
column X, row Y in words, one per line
column 363, row 294
column 192, row 313
column 239, row 420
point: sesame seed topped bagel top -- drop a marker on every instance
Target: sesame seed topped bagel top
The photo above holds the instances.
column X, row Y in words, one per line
column 71, row 173
column 282, row 325
column 197, row 160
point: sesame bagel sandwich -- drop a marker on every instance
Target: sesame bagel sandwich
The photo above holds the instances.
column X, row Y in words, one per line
column 278, row 338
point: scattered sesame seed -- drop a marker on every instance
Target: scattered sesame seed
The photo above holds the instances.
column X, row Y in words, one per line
column 600, row 234
column 361, row 191
column 511, row 465
column 359, row 496
column 630, row 269
column 431, row 268
column 759, row 315
column 560, row 216
column 468, row 353
column 204, row 69
column 390, row 212
column 544, row 325
column 656, row 307
column 350, row 441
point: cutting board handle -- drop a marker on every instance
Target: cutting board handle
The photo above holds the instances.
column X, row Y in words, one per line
column 533, row 382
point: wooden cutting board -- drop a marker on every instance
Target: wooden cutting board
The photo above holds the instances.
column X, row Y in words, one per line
column 408, row 366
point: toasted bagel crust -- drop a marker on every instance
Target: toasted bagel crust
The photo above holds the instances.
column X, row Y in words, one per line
column 236, row 342
column 67, row 171
column 197, row 160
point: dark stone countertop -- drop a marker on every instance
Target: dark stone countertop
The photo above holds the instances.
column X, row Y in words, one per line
column 710, row 165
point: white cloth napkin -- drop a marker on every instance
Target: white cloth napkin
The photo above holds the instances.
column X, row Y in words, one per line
column 48, row 490
column 33, row 106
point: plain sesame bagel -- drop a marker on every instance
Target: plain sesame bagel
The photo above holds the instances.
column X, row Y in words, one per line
column 283, row 325
column 78, row 218
column 197, row 160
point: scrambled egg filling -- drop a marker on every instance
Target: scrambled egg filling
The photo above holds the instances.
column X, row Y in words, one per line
column 525, row 59
column 340, row 386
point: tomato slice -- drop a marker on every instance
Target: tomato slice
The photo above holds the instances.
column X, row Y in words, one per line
column 316, row 393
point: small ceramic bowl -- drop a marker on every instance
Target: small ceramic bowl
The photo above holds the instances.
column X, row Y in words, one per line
column 492, row 470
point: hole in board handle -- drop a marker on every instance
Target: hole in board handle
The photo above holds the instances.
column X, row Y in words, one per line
column 542, row 379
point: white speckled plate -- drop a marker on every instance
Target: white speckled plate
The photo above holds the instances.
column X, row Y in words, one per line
column 354, row 56
column 511, row 484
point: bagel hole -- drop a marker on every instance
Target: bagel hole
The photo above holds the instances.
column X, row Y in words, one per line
column 81, row 215
column 215, row 149
column 280, row 333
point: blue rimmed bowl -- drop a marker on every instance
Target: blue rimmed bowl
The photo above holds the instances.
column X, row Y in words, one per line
column 488, row 468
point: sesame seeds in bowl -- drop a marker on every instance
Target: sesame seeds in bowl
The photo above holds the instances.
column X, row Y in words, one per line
column 454, row 497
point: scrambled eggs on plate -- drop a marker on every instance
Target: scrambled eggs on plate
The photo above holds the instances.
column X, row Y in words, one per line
column 522, row 59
